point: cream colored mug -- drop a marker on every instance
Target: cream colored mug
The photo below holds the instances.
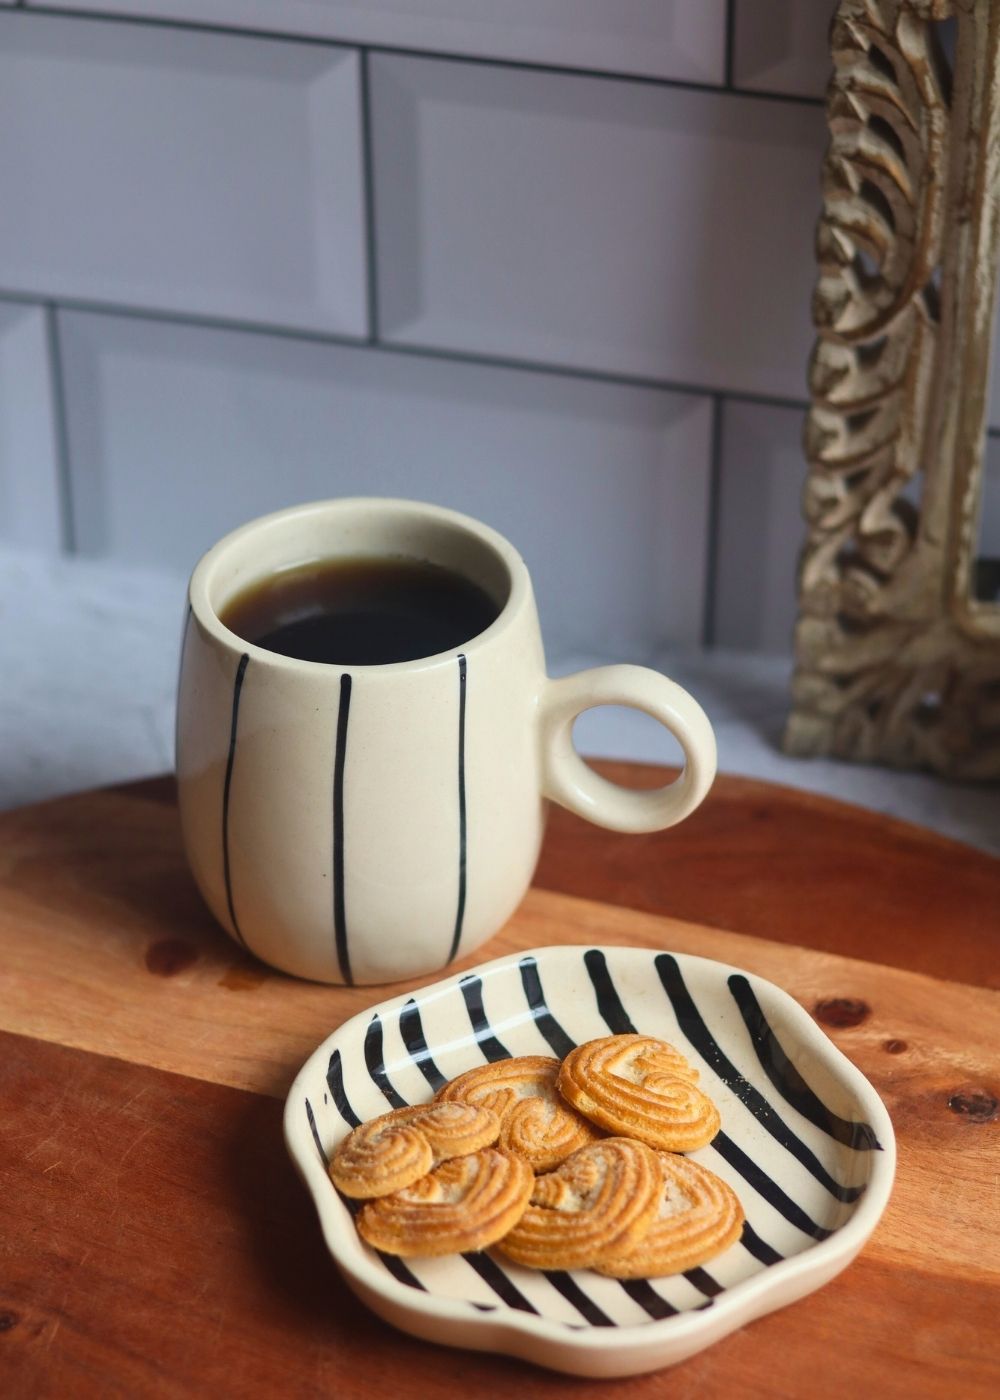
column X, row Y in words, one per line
column 364, row 823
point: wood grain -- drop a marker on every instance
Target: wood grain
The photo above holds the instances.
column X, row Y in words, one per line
column 158, row 1243
column 162, row 1246
column 789, row 866
column 795, row 867
column 221, row 1016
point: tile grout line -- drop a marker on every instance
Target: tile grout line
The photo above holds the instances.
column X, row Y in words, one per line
column 67, row 514
column 729, row 55
column 712, row 524
column 402, row 51
column 197, row 321
column 368, row 188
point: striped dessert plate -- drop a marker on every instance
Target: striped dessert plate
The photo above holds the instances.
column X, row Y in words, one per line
column 806, row 1143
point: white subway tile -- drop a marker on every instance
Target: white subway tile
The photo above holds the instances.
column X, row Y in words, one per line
column 30, row 506
column 760, row 526
column 661, row 38
column 179, row 170
column 783, row 46
column 179, row 433
column 593, row 222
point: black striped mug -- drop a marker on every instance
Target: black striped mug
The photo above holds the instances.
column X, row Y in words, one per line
column 365, row 823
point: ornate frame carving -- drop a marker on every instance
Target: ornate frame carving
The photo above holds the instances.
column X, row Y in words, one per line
column 895, row 662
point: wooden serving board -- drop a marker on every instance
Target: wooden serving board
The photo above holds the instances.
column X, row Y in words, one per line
column 157, row 1241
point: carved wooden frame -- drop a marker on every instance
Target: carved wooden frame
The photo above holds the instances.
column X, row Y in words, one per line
column 895, row 662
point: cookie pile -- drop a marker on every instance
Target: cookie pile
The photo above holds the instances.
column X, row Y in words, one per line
column 560, row 1165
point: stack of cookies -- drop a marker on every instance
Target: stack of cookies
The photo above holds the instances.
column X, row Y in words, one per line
column 560, row 1165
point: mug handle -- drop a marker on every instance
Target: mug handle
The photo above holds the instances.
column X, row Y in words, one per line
column 571, row 783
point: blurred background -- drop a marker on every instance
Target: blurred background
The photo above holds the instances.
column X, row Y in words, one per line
column 545, row 261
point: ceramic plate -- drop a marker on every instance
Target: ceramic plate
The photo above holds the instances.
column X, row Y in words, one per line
column 806, row 1143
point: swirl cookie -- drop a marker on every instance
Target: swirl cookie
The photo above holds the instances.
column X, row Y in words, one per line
column 392, row 1151
column 535, row 1123
column 597, row 1204
column 465, row 1203
column 698, row 1217
column 639, row 1087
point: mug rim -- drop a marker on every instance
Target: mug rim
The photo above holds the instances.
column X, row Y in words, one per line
column 202, row 576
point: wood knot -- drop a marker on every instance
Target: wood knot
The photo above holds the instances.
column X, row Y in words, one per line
column 978, row 1105
column 243, row 977
column 8, row 1320
column 841, row 1012
column 894, row 1047
column 170, row 956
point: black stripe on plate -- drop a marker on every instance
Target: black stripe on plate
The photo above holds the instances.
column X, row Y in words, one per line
column 339, row 764
column 472, row 994
column 460, row 911
column 545, row 1021
column 788, row 1081
column 412, row 1031
column 241, row 671
column 611, row 1008
column 760, row 1249
column 691, row 1023
column 375, row 1060
column 641, row 1291
column 765, row 1187
column 704, row 1282
column 637, row 1289
column 395, row 1265
column 562, row 1044
column 490, row 1272
column 311, row 1117
column 335, row 1083
column 609, row 1003
column 487, row 1269
column 392, row 1262
column 565, row 1284
column 399, row 1271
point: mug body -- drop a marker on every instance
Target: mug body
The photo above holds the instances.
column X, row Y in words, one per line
column 359, row 824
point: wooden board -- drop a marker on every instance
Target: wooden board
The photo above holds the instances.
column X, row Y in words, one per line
column 157, row 1241
column 790, row 866
column 795, row 867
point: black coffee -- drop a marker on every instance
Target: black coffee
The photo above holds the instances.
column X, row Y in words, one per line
column 361, row 612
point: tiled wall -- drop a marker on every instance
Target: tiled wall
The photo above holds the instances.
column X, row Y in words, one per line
column 547, row 262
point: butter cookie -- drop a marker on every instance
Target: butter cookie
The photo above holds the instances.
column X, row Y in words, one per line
column 392, row 1151
column 465, row 1203
column 597, row 1204
column 698, row 1217
column 638, row 1086
column 535, row 1121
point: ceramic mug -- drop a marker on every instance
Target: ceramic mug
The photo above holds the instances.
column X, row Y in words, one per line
column 357, row 824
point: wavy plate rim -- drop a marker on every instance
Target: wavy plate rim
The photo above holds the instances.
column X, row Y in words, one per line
column 627, row 1348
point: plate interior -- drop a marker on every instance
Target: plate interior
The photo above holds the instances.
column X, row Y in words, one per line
column 794, row 1144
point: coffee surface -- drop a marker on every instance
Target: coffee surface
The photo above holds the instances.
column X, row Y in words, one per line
column 361, row 612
